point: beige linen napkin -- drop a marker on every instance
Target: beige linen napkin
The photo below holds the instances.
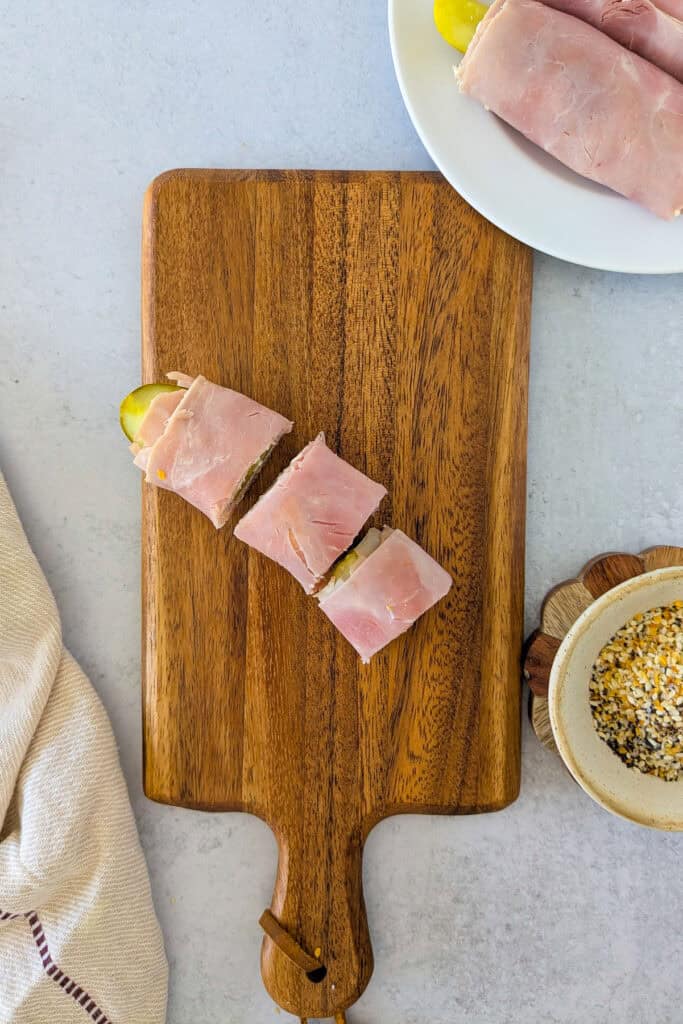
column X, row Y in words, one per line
column 79, row 940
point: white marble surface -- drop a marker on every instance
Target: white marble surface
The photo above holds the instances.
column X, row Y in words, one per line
column 550, row 911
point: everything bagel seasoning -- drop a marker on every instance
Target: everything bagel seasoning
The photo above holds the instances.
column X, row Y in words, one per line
column 636, row 692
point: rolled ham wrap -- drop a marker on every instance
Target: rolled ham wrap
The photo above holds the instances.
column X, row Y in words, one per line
column 605, row 112
column 639, row 25
column 311, row 514
column 206, row 443
column 391, row 584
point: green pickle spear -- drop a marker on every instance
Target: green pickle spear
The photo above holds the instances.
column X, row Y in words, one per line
column 344, row 566
column 457, row 20
column 134, row 407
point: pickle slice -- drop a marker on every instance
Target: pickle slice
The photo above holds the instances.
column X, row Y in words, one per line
column 345, row 567
column 251, row 474
column 135, row 406
column 457, row 20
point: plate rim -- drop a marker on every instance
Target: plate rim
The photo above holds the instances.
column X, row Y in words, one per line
column 497, row 221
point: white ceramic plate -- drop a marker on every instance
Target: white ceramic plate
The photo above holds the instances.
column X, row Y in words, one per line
column 509, row 180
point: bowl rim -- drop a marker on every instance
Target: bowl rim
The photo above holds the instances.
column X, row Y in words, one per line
column 558, row 675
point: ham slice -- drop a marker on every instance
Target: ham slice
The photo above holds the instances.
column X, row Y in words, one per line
column 600, row 109
column 639, row 25
column 672, row 7
column 388, row 591
column 161, row 408
column 207, row 444
column 311, row 514
column 183, row 380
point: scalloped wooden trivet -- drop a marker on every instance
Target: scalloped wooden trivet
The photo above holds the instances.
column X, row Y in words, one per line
column 562, row 607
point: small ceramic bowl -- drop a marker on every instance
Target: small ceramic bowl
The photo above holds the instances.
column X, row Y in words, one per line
column 644, row 799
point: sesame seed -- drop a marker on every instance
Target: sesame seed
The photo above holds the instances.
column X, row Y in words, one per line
column 636, row 690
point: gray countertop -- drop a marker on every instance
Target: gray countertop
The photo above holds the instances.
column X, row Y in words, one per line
column 550, row 911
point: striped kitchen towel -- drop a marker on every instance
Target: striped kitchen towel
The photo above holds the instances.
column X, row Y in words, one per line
column 79, row 940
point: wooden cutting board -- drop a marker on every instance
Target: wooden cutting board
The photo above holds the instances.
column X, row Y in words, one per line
column 379, row 308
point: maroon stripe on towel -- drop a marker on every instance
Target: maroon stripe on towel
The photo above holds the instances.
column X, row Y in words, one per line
column 53, row 971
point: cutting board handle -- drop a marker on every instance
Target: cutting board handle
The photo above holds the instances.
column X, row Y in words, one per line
column 316, row 958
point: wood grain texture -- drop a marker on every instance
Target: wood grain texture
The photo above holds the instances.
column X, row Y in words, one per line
column 539, row 716
column 661, row 557
column 607, row 571
column 561, row 608
column 538, row 660
column 381, row 309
